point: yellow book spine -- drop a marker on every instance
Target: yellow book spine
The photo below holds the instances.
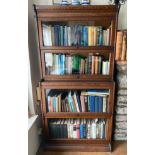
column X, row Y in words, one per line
column 89, row 36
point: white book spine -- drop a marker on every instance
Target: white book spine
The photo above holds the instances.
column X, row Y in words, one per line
column 93, row 130
column 49, row 59
column 104, row 103
column 69, row 36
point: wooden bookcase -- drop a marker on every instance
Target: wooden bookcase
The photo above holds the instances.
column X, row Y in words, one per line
column 106, row 16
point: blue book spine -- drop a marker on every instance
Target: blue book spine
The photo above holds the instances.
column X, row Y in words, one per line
column 92, row 103
column 84, row 130
column 81, row 131
column 85, row 36
column 96, row 104
column 63, row 64
column 71, row 103
column 54, row 104
column 59, row 64
column 101, row 37
column 100, row 104
column 88, row 103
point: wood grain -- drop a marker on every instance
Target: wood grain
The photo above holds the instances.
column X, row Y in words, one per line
column 119, row 148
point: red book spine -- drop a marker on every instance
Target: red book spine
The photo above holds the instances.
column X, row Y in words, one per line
column 77, row 130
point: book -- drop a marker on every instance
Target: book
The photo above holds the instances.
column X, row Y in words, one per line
column 92, row 104
column 47, row 40
column 104, row 103
column 100, row 106
column 119, row 41
column 82, row 103
column 124, row 46
column 96, row 104
column 85, row 36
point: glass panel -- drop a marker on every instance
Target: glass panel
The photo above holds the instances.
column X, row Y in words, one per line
column 77, row 128
column 63, row 64
column 77, row 100
column 74, row 33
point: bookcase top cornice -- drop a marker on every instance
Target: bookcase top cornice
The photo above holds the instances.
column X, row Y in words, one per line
column 70, row 8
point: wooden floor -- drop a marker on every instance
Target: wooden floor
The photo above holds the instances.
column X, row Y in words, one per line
column 119, row 148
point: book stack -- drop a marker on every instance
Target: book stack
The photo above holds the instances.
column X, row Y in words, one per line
column 77, row 101
column 76, row 35
column 121, row 46
column 61, row 64
column 77, row 128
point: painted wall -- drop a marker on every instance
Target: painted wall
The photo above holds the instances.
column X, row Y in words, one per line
column 122, row 19
column 33, row 139
column 34, row 77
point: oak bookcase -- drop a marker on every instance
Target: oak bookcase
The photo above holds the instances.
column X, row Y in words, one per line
column 101, row 15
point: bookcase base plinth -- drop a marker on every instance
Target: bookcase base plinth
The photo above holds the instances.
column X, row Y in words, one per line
column 78, row 147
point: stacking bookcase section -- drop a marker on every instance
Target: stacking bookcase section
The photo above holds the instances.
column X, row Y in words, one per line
column 74, row 33
column 77, row 99
column 77, row 64
column 83, row 35
column 77, row 128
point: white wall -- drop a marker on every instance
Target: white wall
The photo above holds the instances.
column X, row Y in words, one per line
column 33, row 139
column 122, row 19
column 34, row 78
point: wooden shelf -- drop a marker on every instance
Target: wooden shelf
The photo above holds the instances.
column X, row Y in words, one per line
column 78, row 77
column 84, row 147
column 77, row 48
column 77, row 115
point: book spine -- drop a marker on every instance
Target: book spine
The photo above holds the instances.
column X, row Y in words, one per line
column 88, row 103
column 84, row 130
column 100, row 104
column 74, row 131
column 89, row 64
column 88, row 131
column 119, row 45
column 85, row 35
column 93, row 65
column 104, row 103
column 81, row 131
column 49, row 103
column 89, row 36
column 82, row 103
column 93, row 130
column 99, row 64
column 69, row 36
column 92, row 104
column 78, row 131
column 124, row 46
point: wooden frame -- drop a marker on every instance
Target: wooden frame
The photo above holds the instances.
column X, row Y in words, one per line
column 104, row 15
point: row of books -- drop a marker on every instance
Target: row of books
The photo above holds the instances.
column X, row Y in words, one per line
column 61, row 64
column 77, row 128
column 76, row 35
column 75, row 101
column 121, row 46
